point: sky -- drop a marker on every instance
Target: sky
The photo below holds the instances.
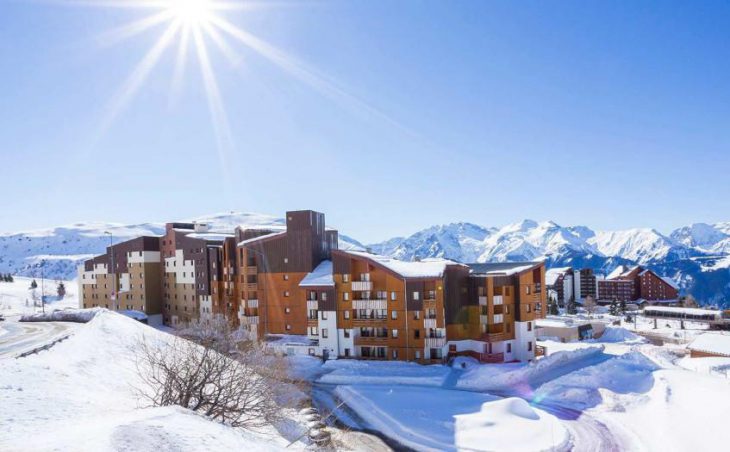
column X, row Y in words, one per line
column 387, row 116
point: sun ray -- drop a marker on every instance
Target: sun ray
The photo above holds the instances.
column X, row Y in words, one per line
column 134, row 28
column 221, row 126
column 319, row 82
column 179, row 71
column 233, row 58
column 138, row 75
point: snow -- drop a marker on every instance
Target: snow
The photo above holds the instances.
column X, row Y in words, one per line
column 79, row 395
column 617, row 334
column 670, row 281
column 68, row 315
column 320, row 276
column 14, row 295
column 711, row 343
column 261, row 237
column 211, row 236
column 510, row 424
column 426, row 268
column 552, row 274
column 685, row 311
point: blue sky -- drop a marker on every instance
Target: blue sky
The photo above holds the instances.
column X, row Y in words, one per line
column 609, row 114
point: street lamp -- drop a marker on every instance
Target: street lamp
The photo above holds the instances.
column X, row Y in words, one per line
column 111, row 270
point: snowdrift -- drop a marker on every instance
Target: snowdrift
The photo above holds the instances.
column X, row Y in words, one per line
column 615, row 335
column 67, row 315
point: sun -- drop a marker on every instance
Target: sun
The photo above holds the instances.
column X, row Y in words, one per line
column 192, row 12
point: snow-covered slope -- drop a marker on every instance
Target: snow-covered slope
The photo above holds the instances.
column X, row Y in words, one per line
column 639, row 245
column 711, row 238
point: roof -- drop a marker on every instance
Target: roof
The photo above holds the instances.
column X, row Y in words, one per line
column 211, row 236
column 261, row 237
column 501, row 268
column 687, row 311
column 426, row 268
column 670, row 281
column 715, row 343
column 320, row 276
column 618, row 271
column 551, row 275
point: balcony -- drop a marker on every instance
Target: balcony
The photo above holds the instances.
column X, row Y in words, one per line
column 252, row 303
column 482, row 301
column 429, row 323
column 435, row 342
column 249, row 320
column 251, row 286
column 312, row 304
column 371, row 340
column 484, row 319
column 369, row 304
column 369, row 321
column 250, row 271
column 491, row 358
column 494, row 337
column 362, row 286
column 498, row 318
column 498, row 300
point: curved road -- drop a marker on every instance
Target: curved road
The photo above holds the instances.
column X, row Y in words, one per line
column 18, row 337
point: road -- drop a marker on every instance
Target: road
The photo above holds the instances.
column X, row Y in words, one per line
column 17, row 337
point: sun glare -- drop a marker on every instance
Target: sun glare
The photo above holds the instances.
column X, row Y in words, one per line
column 191, row 11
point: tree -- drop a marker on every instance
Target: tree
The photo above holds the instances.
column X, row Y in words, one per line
column 622, row 307
column 572, row 308
column 689, row 302
column 590, row 305
column 213, row 371
column 613, row 309
column 10, row 278
column 33, row 285
column 61, row 290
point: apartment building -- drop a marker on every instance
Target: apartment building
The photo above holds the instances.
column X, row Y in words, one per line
column 126, row 277
column 272, row 263
column 571, row 284
column 637, row 283
column 291, row 286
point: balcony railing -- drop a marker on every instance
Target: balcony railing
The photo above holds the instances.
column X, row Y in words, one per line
column 498, row 318
column 435, row 342
column 498, row 300
column 312, row 304
column 429, row 323
column 369, row 304
column 366, row 340
column 251, row 286
column 484, row 319
column 249, row 320
column 482, row 301
column 494, row 337
column 362, row 285
column 492, row 358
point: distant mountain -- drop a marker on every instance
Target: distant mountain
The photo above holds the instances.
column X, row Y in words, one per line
column 696, row 256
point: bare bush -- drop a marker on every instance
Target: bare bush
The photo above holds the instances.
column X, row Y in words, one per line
column 230, row 381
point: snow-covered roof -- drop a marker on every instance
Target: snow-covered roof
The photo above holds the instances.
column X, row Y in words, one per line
column 686, row 311
column 715, row 343
column 211, row 236
column 670, row 281
column 320, row 276
column 618, row 271
column 261, row 237
column 136, row 315
column 501, row 268
column 426, row 268
column 552, row 274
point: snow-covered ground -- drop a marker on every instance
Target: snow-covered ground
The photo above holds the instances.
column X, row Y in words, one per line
column 618, row 392
column 17, row 297
column 79, row 395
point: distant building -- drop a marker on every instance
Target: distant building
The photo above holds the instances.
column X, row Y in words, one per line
column 710, row 345
column 572, row 284
column 637, row 283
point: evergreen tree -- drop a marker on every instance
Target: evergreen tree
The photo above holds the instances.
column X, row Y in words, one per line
column 10, row 278
column 34, row 285
column 61, row 290
column 553, row 307
column 622, row 307
column 613, row 308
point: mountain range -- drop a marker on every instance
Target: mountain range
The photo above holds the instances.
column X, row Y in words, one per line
column 696, row 256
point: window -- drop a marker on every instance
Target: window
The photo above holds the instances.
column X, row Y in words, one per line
column 416, row 334
column 346, row 334
column 324, row 296
column 393, row 296
column 418, row 354
column 286, row 277
column 394, row 334
column 324, row 333
column 529, row 308
column 347, row 314
column 416, row 295
column 287, row 310
column 288, row 327
column 324, row 315
column 346, row 296
column 311, row 352
column 527, row 290
column 394, row 315
column 345, row 278
column 347, row 353
column 286, row 293
column 529, row 326
column 529, row 346
column 286, row 260
column 416, row 315
column 395, row 354
column 509, row 348
column 312, row 330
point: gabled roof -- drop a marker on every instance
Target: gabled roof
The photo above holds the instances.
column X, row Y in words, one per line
column 552, row 274
column 320, row 276
column 261, row 237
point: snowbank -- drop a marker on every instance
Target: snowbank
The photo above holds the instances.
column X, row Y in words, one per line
column 67, row 315
column 346, row 371
column 510, row 425
column 80, row 396
column 616, row 334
